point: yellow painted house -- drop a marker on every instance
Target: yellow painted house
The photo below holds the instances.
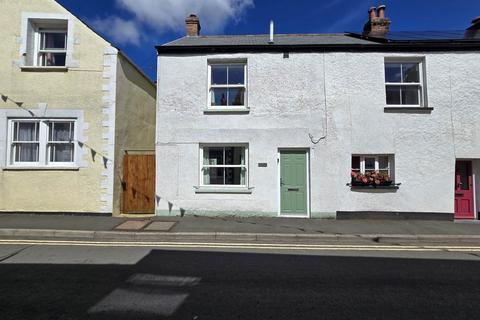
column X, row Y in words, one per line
column 77, row 117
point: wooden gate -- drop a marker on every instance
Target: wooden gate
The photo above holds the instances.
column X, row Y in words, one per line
column 138, row 184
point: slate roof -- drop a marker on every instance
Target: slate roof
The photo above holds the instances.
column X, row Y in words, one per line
column 262, row 39
column 349, row 41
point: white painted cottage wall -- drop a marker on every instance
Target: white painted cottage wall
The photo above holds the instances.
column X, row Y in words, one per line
column 288, row 99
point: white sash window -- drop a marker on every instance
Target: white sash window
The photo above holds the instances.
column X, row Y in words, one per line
column 41, row 142
column 224, row 166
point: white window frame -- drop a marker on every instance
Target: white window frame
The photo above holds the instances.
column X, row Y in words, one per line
column 11, row 143
column 227, row 86
column 422, row 101
column 44, row 144
column 38, row 51
column 51, row 143
column 202, row 166
column 31, row 21
column 377, row 162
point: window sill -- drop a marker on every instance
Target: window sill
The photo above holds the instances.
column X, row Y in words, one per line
column 44, row 69
column 232, row 110
column 12, row 168
column 239, row 190
column 402, row 109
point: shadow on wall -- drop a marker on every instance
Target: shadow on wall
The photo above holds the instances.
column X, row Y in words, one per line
column 170, row 205
column 94, row 153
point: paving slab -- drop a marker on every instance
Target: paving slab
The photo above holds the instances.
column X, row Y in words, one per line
column 160, row 226
column 132, row 225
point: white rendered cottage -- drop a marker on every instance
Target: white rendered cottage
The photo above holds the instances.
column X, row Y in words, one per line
column 325, row 125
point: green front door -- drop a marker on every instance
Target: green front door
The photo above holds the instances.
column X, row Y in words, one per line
column 293, row 183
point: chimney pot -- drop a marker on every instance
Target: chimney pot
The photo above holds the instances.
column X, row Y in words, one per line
column 372, row 13
column 192, row 23
column 381, row 11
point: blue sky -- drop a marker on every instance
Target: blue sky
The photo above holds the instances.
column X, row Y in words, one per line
column 136, row 26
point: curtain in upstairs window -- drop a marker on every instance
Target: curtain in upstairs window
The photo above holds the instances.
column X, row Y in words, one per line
column 50, row 43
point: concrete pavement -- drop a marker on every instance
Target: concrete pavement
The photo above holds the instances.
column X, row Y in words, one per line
column 231, row 229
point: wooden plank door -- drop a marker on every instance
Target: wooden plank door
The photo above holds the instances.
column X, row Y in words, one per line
column 138, row 184
column 464, row 190
column 293, row 183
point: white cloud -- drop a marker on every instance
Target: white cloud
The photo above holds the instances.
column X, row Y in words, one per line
column 119, row 30
column 169, row 15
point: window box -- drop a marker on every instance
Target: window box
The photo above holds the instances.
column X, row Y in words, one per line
column 372, row 171
column 356, row 183
column 373, row 187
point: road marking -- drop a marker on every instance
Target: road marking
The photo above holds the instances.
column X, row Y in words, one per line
column 268, row 246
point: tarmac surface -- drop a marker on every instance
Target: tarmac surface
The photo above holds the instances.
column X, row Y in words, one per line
column 76, row 282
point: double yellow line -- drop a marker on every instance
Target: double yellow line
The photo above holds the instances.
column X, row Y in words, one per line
column 263, row 246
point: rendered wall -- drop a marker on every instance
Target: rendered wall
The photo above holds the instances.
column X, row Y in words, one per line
column 288, row 100
column 135, row 119
column 83, row 88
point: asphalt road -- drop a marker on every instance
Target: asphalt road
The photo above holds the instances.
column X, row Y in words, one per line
column 88, row 282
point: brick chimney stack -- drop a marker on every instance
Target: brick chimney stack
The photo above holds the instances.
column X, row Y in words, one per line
column 193, row 25
column 377, row 24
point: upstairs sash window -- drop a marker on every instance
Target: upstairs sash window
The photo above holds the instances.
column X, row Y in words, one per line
column 404, row 83
column 52, row 48
column 227, row 87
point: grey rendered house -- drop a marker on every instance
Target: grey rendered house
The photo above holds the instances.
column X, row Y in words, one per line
column 320, row 125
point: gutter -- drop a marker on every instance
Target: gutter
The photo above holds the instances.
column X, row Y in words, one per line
column 376, row 47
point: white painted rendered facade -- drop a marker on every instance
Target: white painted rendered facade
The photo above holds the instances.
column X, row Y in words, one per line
column 295, row 101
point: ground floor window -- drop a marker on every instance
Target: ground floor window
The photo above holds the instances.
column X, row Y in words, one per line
column 224, row 165
column 41, row 142
column 372, row 169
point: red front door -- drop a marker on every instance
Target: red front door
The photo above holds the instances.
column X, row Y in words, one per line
column 463, row 190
